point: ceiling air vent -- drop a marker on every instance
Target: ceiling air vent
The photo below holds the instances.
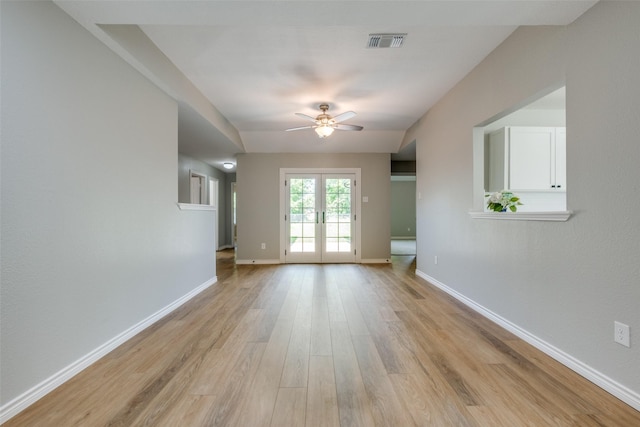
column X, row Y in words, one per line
column 379, row 41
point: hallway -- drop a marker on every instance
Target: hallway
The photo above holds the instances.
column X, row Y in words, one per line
column 332, row 345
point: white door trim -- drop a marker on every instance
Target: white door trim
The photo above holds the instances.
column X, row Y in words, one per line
column 213, row 200
column 358, row 199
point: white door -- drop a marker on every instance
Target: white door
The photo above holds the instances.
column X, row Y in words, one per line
column 319, row 218
column 195, row 190
column 303, row 218
column 198, row 188
column 338, row 216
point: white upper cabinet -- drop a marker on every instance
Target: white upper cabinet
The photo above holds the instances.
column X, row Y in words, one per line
column 560, row 153
column 527, row 158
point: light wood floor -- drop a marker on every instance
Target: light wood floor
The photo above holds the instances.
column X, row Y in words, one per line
column 326, row 345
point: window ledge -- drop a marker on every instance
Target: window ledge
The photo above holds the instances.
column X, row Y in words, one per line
column 194, row 207
column 523, row 216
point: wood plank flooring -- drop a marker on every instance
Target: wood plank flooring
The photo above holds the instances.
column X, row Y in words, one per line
column 326, row 345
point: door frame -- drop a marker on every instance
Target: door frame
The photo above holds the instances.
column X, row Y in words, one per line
column 357, row 203
column 214, row 200
column 201, row 195
column 234, row 213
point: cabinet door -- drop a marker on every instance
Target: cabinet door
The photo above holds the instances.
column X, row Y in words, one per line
column 530, row 152
column 560, row 159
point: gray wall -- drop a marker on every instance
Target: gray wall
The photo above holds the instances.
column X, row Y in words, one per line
column 187, row 164
column 403, row 208
column 258, row 178
column 92, row 240
column 566, row 282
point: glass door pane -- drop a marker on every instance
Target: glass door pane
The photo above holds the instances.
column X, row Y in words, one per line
column 337, row 220
column 303, row 213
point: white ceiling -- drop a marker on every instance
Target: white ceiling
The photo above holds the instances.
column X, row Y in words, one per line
column 241, row 69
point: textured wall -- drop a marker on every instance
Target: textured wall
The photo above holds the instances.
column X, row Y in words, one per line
column 92, row 239
column 259, row 200
column 563, row 282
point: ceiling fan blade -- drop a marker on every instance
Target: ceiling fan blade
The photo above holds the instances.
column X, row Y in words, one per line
column 344, row 116
column 348, row 127
column 300, row 128
column 304, row 116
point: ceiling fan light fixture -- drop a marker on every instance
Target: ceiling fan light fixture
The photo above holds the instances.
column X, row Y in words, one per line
column 324, row 124
column 324, row 131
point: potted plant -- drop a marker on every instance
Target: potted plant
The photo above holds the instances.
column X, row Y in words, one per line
column 500, row 201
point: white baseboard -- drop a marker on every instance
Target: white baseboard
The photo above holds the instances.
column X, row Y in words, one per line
column 257, row 261
column 376, row 261
column 277, row 261
column 223, row 247
column 403, row 237
column 17, row 405
column 620, row 391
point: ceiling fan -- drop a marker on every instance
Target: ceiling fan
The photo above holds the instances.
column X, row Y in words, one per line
column 325, row 124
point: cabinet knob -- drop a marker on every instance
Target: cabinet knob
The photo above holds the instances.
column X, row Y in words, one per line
column 553, row 186
column 558, row 186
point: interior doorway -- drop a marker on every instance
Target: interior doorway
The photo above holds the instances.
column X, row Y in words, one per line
column 198, row 190
column 234, row 226
column 403, row 215
column 214, row 201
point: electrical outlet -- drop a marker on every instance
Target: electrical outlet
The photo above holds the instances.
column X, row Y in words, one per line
column 621, row 334
column 263, row 245
column 435, row 259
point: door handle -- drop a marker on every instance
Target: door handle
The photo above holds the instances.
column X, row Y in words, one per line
column 323, row 217
column 316, row 217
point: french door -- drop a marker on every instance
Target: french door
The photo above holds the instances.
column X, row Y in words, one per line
column 320, row 217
